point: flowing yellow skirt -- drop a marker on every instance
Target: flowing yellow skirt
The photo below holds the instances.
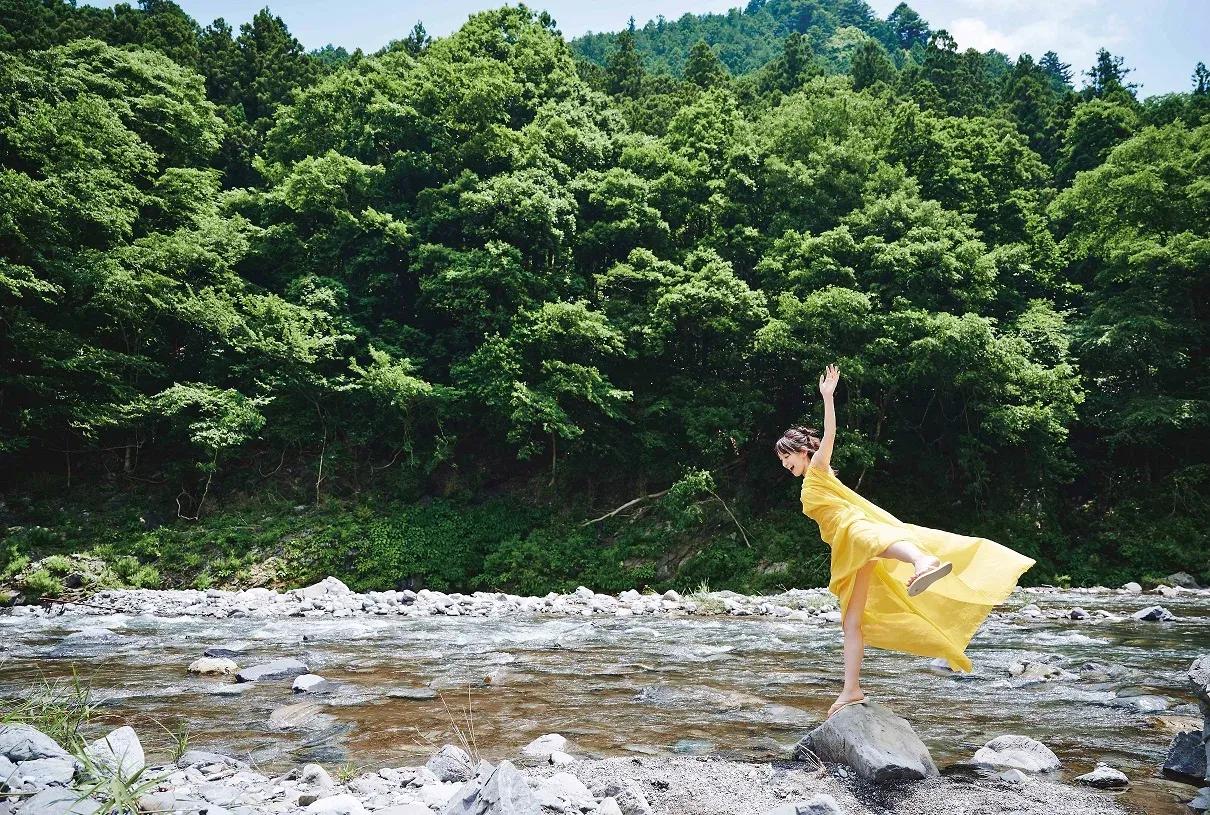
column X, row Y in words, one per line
column 939, row 622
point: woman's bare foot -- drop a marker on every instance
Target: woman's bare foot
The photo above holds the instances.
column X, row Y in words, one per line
column 846, row 697
column 923, row 565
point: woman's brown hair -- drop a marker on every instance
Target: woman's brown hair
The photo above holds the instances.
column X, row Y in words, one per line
column 797, row 439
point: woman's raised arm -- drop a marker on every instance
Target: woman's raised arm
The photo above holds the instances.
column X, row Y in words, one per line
column 827, row 388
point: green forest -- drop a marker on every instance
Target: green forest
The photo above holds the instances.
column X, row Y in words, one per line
column 504, row 311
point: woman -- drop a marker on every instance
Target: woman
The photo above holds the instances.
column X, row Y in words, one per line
column 901, row 587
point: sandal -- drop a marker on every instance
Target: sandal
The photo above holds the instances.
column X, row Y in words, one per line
column 928, row 577
column 860, row 701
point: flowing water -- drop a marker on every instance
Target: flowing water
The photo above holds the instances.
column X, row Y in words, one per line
column 744, row 687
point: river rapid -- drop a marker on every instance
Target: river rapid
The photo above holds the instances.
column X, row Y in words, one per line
column 745, row 681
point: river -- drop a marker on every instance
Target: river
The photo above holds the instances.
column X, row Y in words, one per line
column 741, row 687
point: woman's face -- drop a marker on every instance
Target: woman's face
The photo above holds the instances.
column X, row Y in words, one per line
column 796, row 463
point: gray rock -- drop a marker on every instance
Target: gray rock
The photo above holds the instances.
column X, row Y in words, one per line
column 1186, row 759
column 1105, row 777
column 224, row 795
column 192, row 758
column 499, row 790
column 1020, row 752
column 405, row 809
column 118, row 752
column 821, row 804
column 46, row 772
column 173, row 801
column 310, row 683
column 59, row 801
column 1154, row 614
column 1201, row 801
column 1181, row 579
column 879, row 745
column 1143, row 703
column 628, row 794
column 1013, row 776
column 1199, row 677
column 277, row 669
column 20, row 742
column 223, row 652
column 451, row 763
column 9, row 777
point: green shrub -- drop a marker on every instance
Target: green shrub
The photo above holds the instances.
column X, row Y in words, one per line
column 42, row 583
column 58, row 565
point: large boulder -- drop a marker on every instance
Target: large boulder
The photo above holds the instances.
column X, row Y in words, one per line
column 499, row 790
column 1153, row 614
column 1020, row 752
column 277, row 669
column 879, row 745
column 1186, row 760
column 118, row 753
column 329, row 585
column 1183, row 580
column 20, row 742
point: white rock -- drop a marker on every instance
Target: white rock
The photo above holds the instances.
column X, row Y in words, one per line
column 561, row 759
column 1105, row 777
column 213, row 665
column 543, row 746
column 119, row 752
column 569, row 789
column 1020, row 752
column 315, row 774
column 608, row 807
column 336, row 805
column 1132, row 588
column 309, row 683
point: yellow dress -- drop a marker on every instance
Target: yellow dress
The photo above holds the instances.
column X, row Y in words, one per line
column 938, row 622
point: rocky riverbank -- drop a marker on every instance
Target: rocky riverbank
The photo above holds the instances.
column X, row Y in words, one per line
column 332, row 598
column 44, row 779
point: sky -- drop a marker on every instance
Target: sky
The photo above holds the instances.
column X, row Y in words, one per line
column 1161, row 40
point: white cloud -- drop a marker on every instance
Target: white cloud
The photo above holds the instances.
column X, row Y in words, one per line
column 1036, row 27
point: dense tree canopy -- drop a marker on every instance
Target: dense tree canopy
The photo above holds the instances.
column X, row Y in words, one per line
column 607, row 267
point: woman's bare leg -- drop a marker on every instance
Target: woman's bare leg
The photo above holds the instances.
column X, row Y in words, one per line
column 854, row 642
column 909, row 552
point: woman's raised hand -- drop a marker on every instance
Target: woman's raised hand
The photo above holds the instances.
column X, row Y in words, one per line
column 828, row 380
